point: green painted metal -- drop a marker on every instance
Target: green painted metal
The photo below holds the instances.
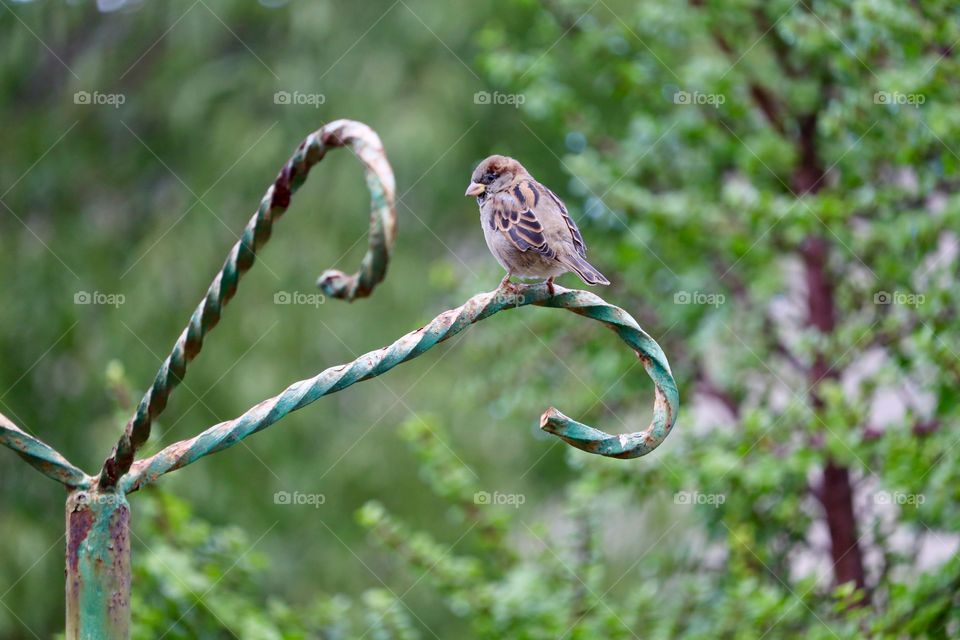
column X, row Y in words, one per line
column 41, row 456
column 366, row 146
column 98, row 565
column 446, row 325
column 98, row 515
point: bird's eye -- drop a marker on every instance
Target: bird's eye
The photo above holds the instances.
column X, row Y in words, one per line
column 489, row 177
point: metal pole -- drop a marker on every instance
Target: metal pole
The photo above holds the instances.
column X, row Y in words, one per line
column 98, row 565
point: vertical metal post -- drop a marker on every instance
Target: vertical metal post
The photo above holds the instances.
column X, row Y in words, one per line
column 98, row 565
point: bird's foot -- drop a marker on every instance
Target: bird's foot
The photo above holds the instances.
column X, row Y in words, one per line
column 511, row 291
column 550, row 285
column 506, row 285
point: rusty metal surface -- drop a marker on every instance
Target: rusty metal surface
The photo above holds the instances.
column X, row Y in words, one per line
column 40, row 455
column 366, row 146
column 444, row 326
column 98, row 566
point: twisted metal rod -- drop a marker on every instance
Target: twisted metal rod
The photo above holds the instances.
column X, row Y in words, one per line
column 41, row 456
column 447, row 324
column 367, row 147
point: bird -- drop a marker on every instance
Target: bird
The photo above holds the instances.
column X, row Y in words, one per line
column 526, row 226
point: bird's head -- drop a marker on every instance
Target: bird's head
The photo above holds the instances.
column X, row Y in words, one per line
column 494, row 174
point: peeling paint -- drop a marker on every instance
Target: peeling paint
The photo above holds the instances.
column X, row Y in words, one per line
column 98, row 566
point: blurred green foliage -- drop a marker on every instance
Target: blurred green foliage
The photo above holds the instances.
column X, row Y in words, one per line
column 770, row 184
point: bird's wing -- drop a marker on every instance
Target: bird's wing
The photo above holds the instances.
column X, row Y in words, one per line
column 514, row 215
column 575, row 236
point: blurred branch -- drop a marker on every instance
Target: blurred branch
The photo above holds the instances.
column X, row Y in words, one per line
column 780, row 48
column 441, row 328
column 706, row 387
column 926, row 427
column 367, row 147
column 777, row 345
column 835, row 491
column 920, row 428
column 41, row 456
column 765, row 99
column 569, row 23
column 809, row 173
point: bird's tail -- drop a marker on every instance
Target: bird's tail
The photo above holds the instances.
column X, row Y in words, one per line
column 584, row 269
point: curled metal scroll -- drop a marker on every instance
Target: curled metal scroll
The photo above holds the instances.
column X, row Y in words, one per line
column 366, row 146
column 447, row 324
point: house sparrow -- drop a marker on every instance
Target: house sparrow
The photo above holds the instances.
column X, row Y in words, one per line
column 527, row 227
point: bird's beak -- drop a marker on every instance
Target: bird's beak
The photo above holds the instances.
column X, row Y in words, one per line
column 475, row 189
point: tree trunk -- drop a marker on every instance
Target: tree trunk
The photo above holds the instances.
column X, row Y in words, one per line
column 835, row 492
column 836, row 496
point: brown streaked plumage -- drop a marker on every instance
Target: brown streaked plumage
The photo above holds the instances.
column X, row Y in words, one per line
column 527, row 227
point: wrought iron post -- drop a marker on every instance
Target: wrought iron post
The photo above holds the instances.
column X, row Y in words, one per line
column 98, row 565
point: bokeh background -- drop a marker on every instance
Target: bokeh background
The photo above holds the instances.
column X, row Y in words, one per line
column 769, row 185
